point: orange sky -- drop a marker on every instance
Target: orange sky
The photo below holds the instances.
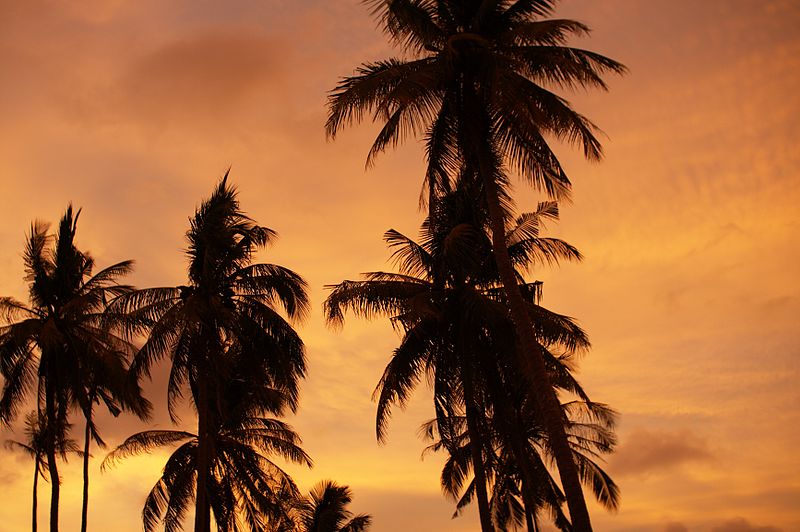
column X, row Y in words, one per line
column 689, row 289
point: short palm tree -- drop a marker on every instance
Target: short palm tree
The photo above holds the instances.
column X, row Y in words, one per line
column 517, row 455
column 35, row 445
column 246, row 489
column 448, row 302
column 228, row 302
column 473, row 81
column 325, row 510
column 61, row 338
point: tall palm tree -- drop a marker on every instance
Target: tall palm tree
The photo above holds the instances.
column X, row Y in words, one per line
column 35, row 445
column 325, row 510
column 52, row 343
column 228, row 301
column 448, row 302
column 473, row 82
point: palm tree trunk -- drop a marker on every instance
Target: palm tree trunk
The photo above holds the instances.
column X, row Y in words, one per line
column 475, row 451
column 35, row 487
column 477, row 138
column 87, row 435
column 529, row 520
column 202, row 519
column 478, row 152
column 531, row 360
column 52, row 427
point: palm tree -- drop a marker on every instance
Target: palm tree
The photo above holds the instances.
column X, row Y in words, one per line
column 53, row 343
column 517, row 454
column 228, row 301
column 448, row 303
column 325, row 510
column 106, row 380
column 472, row 82
column 244, row 486
column 35, row 445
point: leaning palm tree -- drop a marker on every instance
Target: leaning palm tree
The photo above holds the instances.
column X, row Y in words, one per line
column 51, row 343
column 448, row 302
column 325, row 510
column 473, row 81
column 228, row 301
column 35, row 445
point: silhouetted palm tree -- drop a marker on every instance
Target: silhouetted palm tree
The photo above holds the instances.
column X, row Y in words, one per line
column 35, row 445
column 325, row 510
column 517, row 453
column 228, row 302
column 57, row 341
column 245, row 488
column 473, row 82
column 106, row 380
column 448, row 302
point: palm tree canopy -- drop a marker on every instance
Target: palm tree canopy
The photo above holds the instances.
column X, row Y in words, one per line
column 448, row 283
column 591, row 436
column 62, row 336
column 507, row 53
column 35, row 443
column 228, row 302
column 325, row 510
column 246, row 486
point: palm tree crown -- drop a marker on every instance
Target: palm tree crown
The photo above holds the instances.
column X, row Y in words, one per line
column 325, row 510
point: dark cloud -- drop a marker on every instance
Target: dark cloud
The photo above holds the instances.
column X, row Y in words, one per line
column 742, row 525
column 207, row 74
column 646, row 451
column 675, row 527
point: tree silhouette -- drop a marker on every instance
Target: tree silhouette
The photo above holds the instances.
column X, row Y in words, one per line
column 448, row 302
column 245, row 487
column 517, row 452
column 57, row 341
column 35, row 445
column 226, row 307
column 325, row 510
column 472, row 82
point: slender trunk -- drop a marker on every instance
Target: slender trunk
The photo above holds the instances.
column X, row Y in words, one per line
column 532, row 362
column 52, row 427
column 87, row 435
column 35, row 487
column 478, row 152
column 202, row 519
column 530, row 521
column 475, row 452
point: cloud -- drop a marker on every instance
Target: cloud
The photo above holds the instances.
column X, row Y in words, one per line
column 675, row 527
column 208, row 74
column 646, row 451
column 742, row 525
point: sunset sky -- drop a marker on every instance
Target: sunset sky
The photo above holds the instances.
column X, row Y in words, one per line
column 690, row 226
